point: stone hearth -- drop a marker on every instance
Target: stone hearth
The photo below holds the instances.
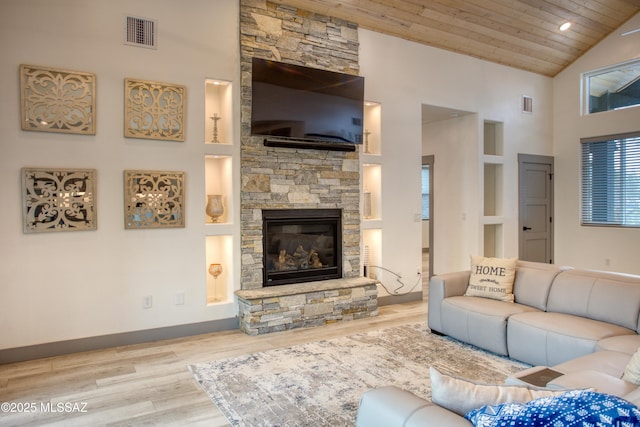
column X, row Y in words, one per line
column 279, row 308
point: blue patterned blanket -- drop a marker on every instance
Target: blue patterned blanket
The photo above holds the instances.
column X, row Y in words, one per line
column 576, row 408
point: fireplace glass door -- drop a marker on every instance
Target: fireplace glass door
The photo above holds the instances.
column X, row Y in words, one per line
column 302, row 245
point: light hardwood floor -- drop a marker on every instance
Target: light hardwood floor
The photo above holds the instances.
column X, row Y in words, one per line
column 149, row 384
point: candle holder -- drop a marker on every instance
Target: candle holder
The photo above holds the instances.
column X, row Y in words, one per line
column 215, row 270
column 215, row 119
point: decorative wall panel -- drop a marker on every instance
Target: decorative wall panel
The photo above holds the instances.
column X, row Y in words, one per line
column 59, row 199
column 54, row 100
column 154, row 110
column 153, row 199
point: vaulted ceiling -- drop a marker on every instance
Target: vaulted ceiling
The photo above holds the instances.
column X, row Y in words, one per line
column 519, row 33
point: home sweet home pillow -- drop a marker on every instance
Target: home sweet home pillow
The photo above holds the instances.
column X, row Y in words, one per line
column 632, row 370
column 492, row 278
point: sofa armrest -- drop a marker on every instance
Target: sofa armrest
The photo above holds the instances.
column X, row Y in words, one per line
column 391, row 406
column 443, row 286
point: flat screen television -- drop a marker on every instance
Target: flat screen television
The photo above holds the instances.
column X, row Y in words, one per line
column 297, row 106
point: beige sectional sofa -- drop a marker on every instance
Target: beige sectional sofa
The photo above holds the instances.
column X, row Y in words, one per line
column 584, row 324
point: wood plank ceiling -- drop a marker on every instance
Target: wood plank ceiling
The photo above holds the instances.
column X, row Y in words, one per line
column 519, row 33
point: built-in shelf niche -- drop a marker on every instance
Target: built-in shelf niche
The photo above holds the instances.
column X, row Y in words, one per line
column 372, row 251
column 219, row 250
column 372, row 128
column 218, row 181
column 218, row 112
column 372, row 191
column 493, row 141
column 493, row 240
column 493, row 189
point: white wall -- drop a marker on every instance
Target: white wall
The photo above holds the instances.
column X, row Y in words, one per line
column 60, row 286
column 403, row 76
column 578, row 246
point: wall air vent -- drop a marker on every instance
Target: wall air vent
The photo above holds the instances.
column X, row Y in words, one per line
column 527, row 104
column 141, row 32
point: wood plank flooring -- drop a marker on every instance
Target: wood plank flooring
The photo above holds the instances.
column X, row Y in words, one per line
column 149, row 384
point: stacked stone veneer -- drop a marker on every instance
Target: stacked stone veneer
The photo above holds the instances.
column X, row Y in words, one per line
column 311, row 304
column 289, row 178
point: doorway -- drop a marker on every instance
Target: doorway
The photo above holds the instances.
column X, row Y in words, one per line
column 535, row 222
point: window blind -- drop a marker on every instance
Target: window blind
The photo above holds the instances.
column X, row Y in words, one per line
column 611, row 181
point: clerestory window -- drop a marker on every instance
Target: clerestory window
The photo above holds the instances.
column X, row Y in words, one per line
column 612, row 88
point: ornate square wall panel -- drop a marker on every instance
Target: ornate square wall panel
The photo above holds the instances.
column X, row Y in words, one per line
column 59, row 199
column 153, row 199
column 54, row 100
column 154, row 110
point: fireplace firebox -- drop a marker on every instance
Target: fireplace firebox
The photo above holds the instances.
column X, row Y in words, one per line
column 301, row 245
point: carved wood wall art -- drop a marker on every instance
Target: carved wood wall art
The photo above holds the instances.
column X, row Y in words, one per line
column 59, row 200
column 55, row 100
column 154, row 110
column 153, row 199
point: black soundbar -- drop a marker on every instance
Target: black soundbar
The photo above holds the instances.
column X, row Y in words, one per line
column 309, row 144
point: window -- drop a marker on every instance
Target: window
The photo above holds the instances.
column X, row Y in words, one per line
column 425, row 192
column 611, row 181
column 612, row 88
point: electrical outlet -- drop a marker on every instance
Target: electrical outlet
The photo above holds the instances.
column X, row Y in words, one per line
column 147, row 301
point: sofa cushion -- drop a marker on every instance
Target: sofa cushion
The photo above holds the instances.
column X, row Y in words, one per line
column 392, row 406
column 624, row 343
column 544, row 338
column 462, row 396
column 608, row 362
column 533, row 282
column 595, row 380
column 492, row 278
column 479, row 321
column 608, row 297
column 387, row 406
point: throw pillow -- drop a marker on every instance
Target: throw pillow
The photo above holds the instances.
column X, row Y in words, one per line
column 573, row 408
column 632, row 370
column 492, row 278
column 462, row 396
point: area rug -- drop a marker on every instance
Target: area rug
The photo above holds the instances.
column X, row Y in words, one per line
column 320, row 383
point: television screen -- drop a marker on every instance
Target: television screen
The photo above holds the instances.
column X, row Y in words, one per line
column 296, row 102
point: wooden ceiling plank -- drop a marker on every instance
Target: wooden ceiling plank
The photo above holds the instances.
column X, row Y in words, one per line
column 495, row 37
column 612, row 10
column 539, row 22
column 511, row 25
column 482, row 51
column 551, row 22
column 569, row 11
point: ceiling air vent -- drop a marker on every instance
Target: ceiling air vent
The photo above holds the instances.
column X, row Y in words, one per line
column 527, row 104
column 141, row 32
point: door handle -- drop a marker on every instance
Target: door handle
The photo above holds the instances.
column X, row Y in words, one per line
column 525, row 228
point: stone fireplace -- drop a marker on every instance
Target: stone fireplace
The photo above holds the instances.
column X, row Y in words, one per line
column 277, row 179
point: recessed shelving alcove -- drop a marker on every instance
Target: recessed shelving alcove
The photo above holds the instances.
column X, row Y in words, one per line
column 372, row 138
column 372, row 192
column 493, row 188
column 218, row 113
column 218, row 173
column 219, row 251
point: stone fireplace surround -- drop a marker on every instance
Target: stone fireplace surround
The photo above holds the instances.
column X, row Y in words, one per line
column 289, row 178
